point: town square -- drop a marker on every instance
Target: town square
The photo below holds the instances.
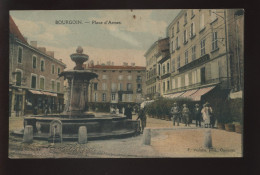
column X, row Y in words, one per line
column 126, row 83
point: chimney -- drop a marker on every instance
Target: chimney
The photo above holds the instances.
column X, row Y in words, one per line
column 60, row 60
column 108, row 63
column 42, row 49
column 112, row 63
column 97, row 62
column 26, row 39
column 133, row 64
column 34, row 43
column 125, row 64
column 50, row 53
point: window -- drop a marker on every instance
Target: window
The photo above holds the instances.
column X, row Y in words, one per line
column 163, row 86
column 104, row 86
column 104, row 77
column 18, row 78
column 173, row 65
column 139, row 77
column 34, row 59
column 193, row 52
column 213, row 15
column 177, row 42
column 159, row 69
column 58, row 87
column 120, row 86
column 192, row 13
column 186, row 57
column 33, row 82
column 178, row 26
column 120, row 77
column 186, row 79
column 168, row 67
column 173, row 32
column 113, row 87
column 163, row 69
column 214, row 40
column 139, row 87
column 202, row 47
column 104, row 97
column 129, row 77
column 185, row 18
column 42, row 65
column 113, row 96
column 129, row 86
column 20, row 54
column 178, row 62
column 173, row 84
column 168, row 85
column 179, row 82
column 185, row 37
column 202, row 25
column 95, row 86
column 192, row 30
column 52, row 85
column 173, row 46
column 95, row 97
column 52, row 69
column 58, row 70
column 42, row 85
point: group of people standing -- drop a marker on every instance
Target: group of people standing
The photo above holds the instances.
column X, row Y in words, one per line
column 205, row 114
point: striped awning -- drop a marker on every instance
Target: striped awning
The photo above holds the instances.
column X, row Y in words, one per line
column 50, row 94
column 173, row 95
column 197, row 95
column 36, row 92
column 189, row 93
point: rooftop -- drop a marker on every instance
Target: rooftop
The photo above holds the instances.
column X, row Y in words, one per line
column 117, row 67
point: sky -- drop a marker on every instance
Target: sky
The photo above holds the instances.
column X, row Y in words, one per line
column 124, row 42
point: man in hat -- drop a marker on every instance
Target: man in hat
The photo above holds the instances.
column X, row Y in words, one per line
column 128, row 112
column 186, row 115
column 175, row 112
column 142, row 117
column 197, row 115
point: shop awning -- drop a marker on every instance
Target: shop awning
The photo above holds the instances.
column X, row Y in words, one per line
column 173, row 95
column 49, row 94
column 189, row 93
column 197, row 95
column 36, row 92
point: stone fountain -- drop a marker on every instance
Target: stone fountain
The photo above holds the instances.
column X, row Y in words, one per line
column 66, row 125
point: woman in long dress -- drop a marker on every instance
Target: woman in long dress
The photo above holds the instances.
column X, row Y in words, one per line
column 206, row 115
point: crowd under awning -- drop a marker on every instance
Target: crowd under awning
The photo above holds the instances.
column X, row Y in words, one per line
column 194, row 94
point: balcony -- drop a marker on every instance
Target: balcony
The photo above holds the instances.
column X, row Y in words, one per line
column 138, row 80
column 129, row 91
column 194, row 63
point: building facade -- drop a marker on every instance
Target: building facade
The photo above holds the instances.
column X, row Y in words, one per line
column 157, row 58
column 117, row 85
column 33, row 76
column 201, row 55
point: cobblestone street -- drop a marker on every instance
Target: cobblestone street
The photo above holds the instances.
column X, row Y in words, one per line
column 167, row 141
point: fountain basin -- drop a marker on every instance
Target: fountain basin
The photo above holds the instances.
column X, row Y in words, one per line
column 98, row 127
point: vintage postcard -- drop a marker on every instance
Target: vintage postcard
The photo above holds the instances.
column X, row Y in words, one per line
column 126, row 83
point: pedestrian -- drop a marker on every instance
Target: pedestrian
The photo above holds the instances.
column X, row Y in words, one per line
column 211, row 116
column 175, row 114
column 128, row 112
column 186, row 115
column 206, row 115
column 46, row 109
column 142, row 117
column 197, row 114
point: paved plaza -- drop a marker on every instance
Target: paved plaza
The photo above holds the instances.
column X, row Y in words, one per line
column 166, row 141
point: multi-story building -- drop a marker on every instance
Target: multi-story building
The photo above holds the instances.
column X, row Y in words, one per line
column 33, row 76
column 157, row 58
column 117, row 85
column 201, row 55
